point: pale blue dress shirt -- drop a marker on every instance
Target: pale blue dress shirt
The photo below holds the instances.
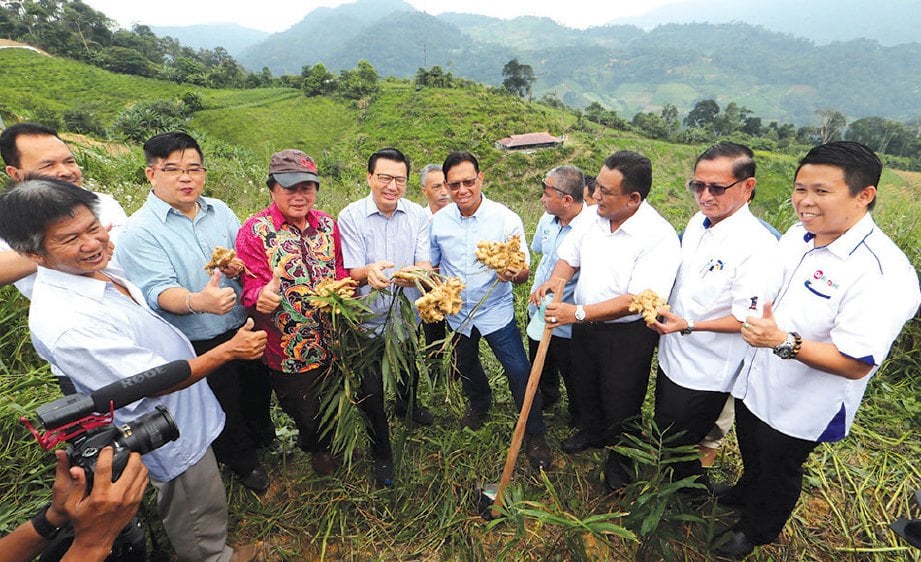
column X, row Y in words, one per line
column 162, row 249
column 369, row 236
column 454, row 241
column 547, row 239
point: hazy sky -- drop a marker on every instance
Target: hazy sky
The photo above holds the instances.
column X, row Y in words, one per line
column 278, row 15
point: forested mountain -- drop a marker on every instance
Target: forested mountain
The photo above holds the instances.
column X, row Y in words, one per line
column 890, row 22
column 778, row 76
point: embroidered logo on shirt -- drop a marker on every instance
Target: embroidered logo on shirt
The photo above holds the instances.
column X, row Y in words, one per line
column 820, row 282
column 712, row 265
column 754, row 304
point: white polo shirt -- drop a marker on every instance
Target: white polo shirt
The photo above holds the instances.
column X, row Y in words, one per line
column 111, row 215
column 856, row 293
column 644, row 253
column 724, row 270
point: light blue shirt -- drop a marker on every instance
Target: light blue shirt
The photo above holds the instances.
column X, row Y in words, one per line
column 454, row 241
column 94, row 335
column 547, row 238
column 368, row 236
column 162, row 249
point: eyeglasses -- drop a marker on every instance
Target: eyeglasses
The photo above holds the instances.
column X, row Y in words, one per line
column 715, row 190
column 455, row 185
column 176, row 171
column 548, row 186
column 387, row 178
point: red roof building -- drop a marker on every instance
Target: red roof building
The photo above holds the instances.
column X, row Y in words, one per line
column 529, row 141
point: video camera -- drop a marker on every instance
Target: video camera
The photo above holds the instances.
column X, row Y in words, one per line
column 85, row 421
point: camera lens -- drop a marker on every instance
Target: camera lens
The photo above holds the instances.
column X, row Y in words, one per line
column 149, row 432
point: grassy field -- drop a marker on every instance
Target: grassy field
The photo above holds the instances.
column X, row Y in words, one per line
column 853, row 488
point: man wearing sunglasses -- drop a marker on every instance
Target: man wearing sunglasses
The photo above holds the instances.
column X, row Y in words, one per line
column 562, row 198
column 725, row 253
column 488, row 309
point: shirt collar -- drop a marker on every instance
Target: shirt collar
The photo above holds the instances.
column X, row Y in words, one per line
column 278, row 219
column 371, row 206
column 845, row 244
column 82, row 285
column 161, row 209
column 739, row 217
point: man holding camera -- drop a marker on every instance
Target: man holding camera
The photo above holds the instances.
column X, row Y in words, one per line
column 94, row 327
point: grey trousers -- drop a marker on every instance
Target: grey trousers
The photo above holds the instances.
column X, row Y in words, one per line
column 193, row 507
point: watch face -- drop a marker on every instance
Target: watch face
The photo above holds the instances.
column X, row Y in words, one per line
column 784, row 350
column 580, row 314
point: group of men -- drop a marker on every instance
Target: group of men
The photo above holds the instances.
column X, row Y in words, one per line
column 735, row 295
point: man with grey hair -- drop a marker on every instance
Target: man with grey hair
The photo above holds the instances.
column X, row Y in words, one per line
column 432, row 180
column 562, row 198
column 94, row 327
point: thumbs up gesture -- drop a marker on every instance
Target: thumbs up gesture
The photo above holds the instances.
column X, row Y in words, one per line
column 270, row 296
column 763, row 331
column 247, row 343
column 214, row 298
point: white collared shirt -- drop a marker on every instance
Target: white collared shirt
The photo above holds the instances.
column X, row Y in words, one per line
column 644, row 253
column 724, row 270
column 94, row 335
column 856, row 293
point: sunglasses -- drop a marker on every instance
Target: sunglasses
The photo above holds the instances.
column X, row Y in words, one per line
column 698, row 187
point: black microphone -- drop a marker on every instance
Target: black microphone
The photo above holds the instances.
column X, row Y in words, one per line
column 121, row 392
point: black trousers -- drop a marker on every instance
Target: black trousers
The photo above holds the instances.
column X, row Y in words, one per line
column 243, row 391
column 772, row 477
column 372, row 406
column 687, row 415
column 557, row 365
column 299, row 396
column 610, row 365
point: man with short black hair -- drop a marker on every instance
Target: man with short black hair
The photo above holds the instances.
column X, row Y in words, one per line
column 626, row 249
column 94, row 327
column 487, row 309
column 840, row 294
column 30, row 148
column 164, row 249
column 382, row 234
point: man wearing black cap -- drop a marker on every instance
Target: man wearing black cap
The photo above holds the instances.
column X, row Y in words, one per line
column 291, row 244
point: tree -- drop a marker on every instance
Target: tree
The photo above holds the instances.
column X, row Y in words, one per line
column 518, row 78
column 358, row 83
column 702, row 115
column 317, row 80
column 882, row 135
column 596, row 113
column 831, row 124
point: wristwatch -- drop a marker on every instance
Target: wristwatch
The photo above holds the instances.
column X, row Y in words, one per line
column 580, row 313
column 687, row 331
column 790, row 346
column 44, row 527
